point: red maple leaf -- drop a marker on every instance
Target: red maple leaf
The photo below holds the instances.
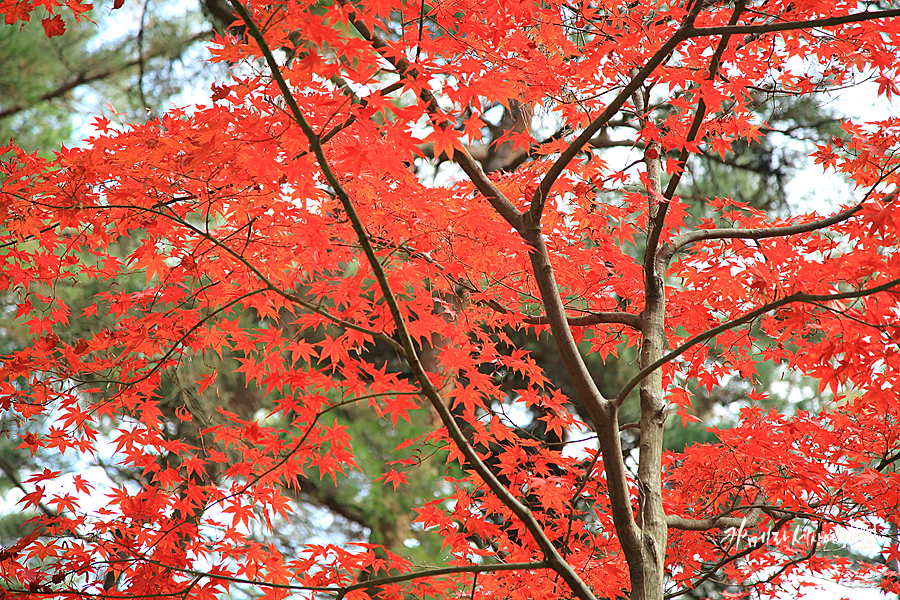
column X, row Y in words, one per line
column 54, row 26
column 15, row 11
column 445, row 140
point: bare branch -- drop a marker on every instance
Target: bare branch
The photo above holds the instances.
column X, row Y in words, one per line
column 594, row 318
column 759, row 234
column 721, row 521
column 65, row 88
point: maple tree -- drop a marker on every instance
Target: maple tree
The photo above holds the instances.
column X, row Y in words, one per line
column 279, row 234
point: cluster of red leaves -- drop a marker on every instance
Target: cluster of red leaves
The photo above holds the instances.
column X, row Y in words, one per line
column 14, row 11
column 188, row 224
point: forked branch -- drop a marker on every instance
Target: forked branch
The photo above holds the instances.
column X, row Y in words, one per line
column 543, row 191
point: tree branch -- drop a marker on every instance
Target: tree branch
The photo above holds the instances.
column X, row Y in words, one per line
column 65, row 88
column 594, row 318
column 84, row 78
column 363, row 102
column 727, row 559
column 11, row 474
column 522, row 512
column 442, row 571
column 269, row 286
column 790, row 26
column 586, row 320
column 341, row 591
column 697, row 339
column 721, row 521
column 658, row 220
column 461, row 156
column 759, row 234
column 601, row 411
column 701, row 104
column 767, row 232
column 543, row 191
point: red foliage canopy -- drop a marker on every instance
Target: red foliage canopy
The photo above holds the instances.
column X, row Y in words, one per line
column 290, row 196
